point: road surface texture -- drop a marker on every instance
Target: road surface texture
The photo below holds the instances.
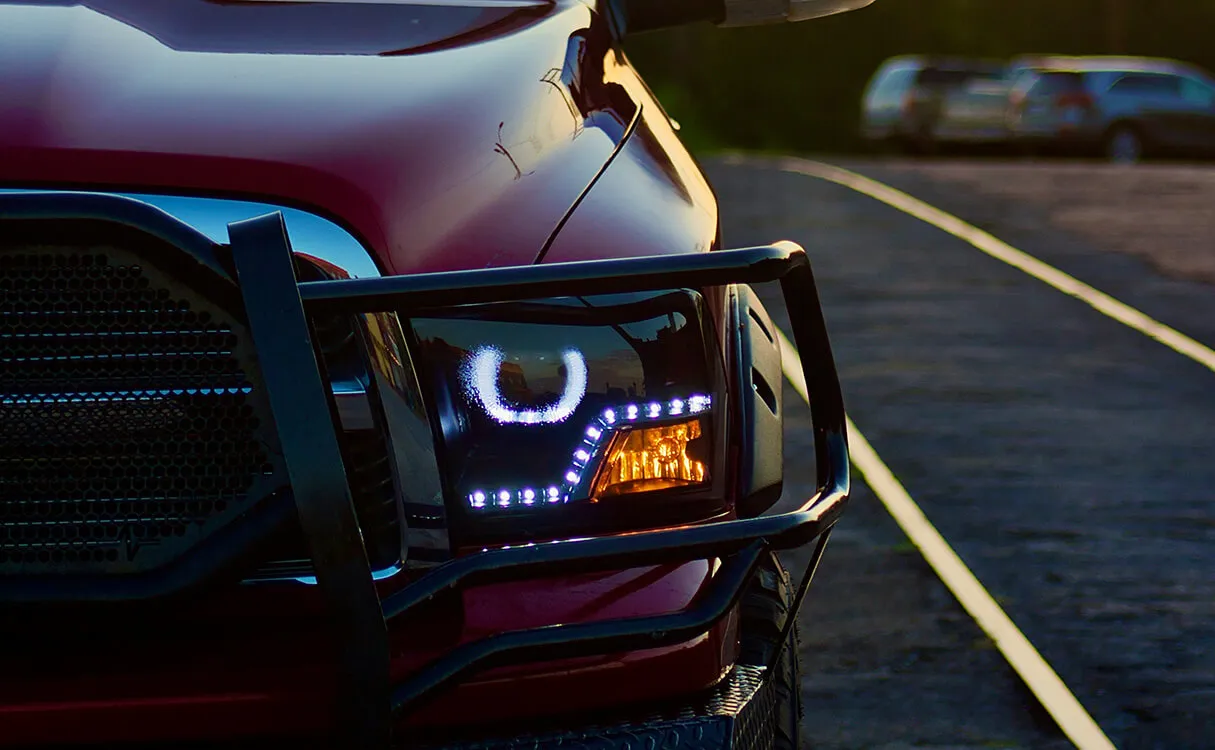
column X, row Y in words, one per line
column 1067, row 458
column 1162, row 213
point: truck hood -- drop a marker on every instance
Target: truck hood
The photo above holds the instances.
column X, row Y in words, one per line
column 441, row 136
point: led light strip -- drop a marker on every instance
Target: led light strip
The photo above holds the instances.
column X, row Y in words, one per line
column 586, row 451
column 513, row 498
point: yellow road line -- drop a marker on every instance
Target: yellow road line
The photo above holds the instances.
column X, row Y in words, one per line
column 1001, row 250
column 1037, row 674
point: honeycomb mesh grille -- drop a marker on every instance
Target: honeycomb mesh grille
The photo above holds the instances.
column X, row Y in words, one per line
column 133, row 426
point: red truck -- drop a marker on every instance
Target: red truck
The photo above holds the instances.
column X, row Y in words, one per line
column 374, row 375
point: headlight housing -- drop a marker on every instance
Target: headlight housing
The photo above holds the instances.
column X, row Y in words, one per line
column 576, row 416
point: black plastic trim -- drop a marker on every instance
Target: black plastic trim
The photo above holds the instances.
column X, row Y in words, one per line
column 757, row 362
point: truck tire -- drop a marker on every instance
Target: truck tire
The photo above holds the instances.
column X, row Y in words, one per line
column 764, row 609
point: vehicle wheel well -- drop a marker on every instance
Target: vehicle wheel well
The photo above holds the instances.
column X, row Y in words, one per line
column 765, row 608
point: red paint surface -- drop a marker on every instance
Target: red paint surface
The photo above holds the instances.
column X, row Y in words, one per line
column 465, row 150
column 461, row 157
column 273, row 678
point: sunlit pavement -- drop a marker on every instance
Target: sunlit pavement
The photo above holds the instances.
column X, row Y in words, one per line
column 1065, row 457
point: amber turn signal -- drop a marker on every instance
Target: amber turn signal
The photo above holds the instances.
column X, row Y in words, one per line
column 642, row 459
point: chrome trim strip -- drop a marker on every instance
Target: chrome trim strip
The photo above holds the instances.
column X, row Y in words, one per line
column 376, row 575
column 291, row 571
column 310, row 234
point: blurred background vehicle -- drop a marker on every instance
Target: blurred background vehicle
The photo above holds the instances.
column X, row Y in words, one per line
column 917, row 103
column 798, row 88
column 1125, row 108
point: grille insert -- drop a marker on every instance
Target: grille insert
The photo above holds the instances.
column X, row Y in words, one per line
column 133, row 425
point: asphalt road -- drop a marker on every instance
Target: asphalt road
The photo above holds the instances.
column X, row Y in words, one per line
column 1067, row 458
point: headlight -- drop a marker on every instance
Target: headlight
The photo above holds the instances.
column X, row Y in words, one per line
column 578, row 415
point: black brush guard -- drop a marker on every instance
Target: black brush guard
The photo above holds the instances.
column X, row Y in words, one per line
column 278, row 308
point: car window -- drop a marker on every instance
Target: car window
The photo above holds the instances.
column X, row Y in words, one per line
column 1024, row 80
column 944, row 77
column 894, row 80
column 1147, row 83
column 1056, row 82
column 890, row 86
column 1199, row 93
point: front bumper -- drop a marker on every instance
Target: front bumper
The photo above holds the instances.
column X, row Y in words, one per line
column 736, row 715
column 279, row 307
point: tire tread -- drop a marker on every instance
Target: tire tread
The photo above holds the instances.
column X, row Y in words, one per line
column 764, row 610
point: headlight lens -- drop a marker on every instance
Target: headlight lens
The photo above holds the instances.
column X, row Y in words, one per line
column 551, row 407
column 652, row 458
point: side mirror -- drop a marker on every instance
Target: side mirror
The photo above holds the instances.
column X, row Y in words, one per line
column 635, row 16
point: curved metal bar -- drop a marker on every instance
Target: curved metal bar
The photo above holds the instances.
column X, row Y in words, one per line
column 782, row 531
column 411, row 294
column 306, row 420
column 798, row 597
column 743, row 539
column 564, row 641
column 818, row 365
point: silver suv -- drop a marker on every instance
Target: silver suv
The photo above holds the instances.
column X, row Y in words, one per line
column 1125, row 108
column 918, row 103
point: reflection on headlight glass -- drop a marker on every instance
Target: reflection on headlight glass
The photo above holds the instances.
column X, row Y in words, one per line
column 548, row 403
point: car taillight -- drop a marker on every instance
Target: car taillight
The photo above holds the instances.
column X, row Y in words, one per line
column 562, row 415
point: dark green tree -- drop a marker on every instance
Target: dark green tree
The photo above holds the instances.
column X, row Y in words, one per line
column 797, row 87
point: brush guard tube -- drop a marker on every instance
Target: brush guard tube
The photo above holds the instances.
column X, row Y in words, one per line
column 279, row 309
column 739, row 543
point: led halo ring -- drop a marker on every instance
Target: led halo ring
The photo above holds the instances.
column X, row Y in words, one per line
column 480, row 380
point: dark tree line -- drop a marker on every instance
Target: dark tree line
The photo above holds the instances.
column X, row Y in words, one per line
column 798, row 86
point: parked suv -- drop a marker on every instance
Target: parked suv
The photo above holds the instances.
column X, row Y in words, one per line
column 917, row 103
column 375, row 374
column 1123, row 108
